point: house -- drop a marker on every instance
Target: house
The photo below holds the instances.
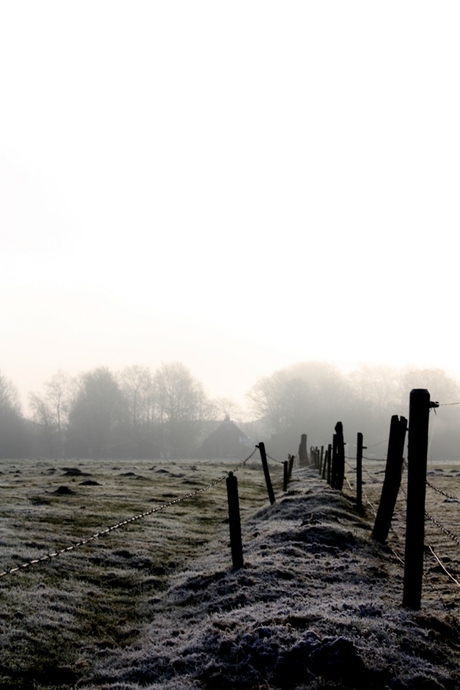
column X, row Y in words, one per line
column 227, row 441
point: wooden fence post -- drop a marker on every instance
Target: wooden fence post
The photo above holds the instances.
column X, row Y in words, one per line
column 340, row 457
column 392, row 481
column 325, row 463
column 419, row 408
column 268, row 481
column 359, row 472
column 303, row 450
column 285, row 475
column 334, row 461
column 329, row 464
column 234, row 521
column 291, row 465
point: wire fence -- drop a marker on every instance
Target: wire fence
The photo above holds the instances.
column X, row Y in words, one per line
column 375, row 479
column 123, row 523
column 373, row 473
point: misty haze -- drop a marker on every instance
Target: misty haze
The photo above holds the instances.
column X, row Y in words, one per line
column 228, row 236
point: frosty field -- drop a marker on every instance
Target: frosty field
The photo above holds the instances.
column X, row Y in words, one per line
column 155, row 603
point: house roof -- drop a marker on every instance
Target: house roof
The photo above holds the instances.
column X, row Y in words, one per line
column 225, row 441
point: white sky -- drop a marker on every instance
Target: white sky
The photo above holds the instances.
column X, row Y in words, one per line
column 236, row 185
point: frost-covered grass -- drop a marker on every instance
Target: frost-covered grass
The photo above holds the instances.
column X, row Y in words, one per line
column 156, row 603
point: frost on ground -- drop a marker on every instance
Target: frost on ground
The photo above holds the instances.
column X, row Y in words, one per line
column 316, row 605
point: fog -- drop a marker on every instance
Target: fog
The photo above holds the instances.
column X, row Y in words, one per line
column 237, row 187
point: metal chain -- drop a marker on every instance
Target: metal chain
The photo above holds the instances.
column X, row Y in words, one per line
column 107, row 530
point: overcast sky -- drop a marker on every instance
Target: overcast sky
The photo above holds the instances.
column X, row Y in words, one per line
column 236, row 185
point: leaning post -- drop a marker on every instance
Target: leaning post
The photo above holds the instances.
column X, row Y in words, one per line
column 419, row 409
column 234, row 521
column 392, row 481
column 268, row 481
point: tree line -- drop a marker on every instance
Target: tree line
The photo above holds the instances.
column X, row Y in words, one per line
column 132, row 413
column 141, row 413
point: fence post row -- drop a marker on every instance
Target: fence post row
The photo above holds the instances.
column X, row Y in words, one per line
column 234, row 521
column 419, row 408
column 392, row 481
column 268, row 481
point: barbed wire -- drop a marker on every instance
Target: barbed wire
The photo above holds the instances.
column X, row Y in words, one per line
column 442, row 527
column 428, row 516
column 443, row 493
column 122, row 523
column 281, row 462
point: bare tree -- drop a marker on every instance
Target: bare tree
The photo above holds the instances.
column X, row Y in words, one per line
column 51, row 410
column 182, row 405
column 137, row 386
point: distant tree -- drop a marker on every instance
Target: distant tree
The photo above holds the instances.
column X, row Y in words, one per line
column 13, row 435
column 137, row 387
column 309, row 397
column 182, row 405
column 441, row 386
column 96, row 414
column 51, row 411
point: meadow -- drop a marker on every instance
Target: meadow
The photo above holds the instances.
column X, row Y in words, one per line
column 155, row 603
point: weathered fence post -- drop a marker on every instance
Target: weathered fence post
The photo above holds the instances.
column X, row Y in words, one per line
column 329, row 464
column 303, row 457
column 285, row 475
column 321, row 460
column 359, row 472
column 340, row 457
column 392, row 481
column 234, row 521
column 334, row 461
column 268, row 481
column 419, row 408
column 291, row 465
column 325, row 463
